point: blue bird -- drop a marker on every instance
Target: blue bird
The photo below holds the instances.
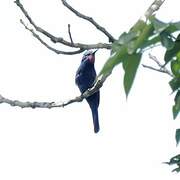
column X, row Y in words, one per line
column 85, row 78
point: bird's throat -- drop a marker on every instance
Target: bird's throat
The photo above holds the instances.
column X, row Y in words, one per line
column 92, row 59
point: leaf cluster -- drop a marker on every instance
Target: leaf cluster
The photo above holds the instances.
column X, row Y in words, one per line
column 128, row 51
column 131, row 45
column 173, row 56
column 175, row 161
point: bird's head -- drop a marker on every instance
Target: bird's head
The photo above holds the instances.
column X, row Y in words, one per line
column 89, row 55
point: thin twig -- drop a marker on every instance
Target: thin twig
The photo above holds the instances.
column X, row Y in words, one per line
column 154, row 58
column 69, row 32
column 161, row 68
column 55, row 39
column 158, row 70
column 90, row 19
column 52, row 104
column 48, row 46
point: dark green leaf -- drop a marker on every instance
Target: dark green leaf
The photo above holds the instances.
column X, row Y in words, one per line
column 172, row 52
column 174, row 160
column 166, row 40
column 130, row 65
column 175, row 68
column 177, row 96
column 155, row 38
column 175, row 84
column 151, row 41
column 177, row 136
column 176, row 170
column 176, row 107
column 173, row 27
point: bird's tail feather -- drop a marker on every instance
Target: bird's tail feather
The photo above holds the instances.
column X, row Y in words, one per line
column 95, row 119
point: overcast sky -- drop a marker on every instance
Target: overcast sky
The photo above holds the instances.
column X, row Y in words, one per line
column 136, row 136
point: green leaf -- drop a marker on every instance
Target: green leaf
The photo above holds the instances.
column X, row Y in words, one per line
column 174, row 160
column 173, row 27
column 178, row 56
column 114, row 60
column 175, row 68
column 177, row 136
column 159, row 26
column 131, row 47
column 172, row 52
column 123, row 50
column 127, row 37
column 177, row 96
column 175, row 111
column 151, row 41
column 166, row 40
column 176, row 170
column 176, row 107
column 115, row 47
column 130, row 65
column 177, row 25
column 175, row 84
column 138, row 26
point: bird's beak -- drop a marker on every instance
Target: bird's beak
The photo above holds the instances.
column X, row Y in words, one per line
column 95, row 51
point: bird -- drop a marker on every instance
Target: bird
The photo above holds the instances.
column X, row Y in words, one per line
column 84, row 79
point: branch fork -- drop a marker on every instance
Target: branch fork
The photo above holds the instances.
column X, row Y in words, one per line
column 81, row 47
column 161, row 68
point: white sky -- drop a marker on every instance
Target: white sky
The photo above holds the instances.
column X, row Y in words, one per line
column 136, row 135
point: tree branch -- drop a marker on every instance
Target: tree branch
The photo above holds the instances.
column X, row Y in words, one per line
column 90, row 19
column 48, row 46
column 55, row 39
column 153, row 8
column 27, row 104
column 161, row 68
column 69, row 32
column 99, row 82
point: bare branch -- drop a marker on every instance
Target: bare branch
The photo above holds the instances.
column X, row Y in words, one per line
column 89, row 92
column 48, row 46
column 90, row 19
column 153, row 8
column 99, row 82
column 156, row 69
column 55, row 39
column 154, row 58
column 33, row 105
column 69, row 32
column 161, row 68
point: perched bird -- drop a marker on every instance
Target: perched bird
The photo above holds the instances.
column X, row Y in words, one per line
column 85, row 77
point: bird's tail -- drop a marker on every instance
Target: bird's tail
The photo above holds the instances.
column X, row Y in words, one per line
column 95, row 119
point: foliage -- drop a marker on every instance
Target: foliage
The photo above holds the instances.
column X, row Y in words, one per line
column 128, row 50
column 175, row 161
